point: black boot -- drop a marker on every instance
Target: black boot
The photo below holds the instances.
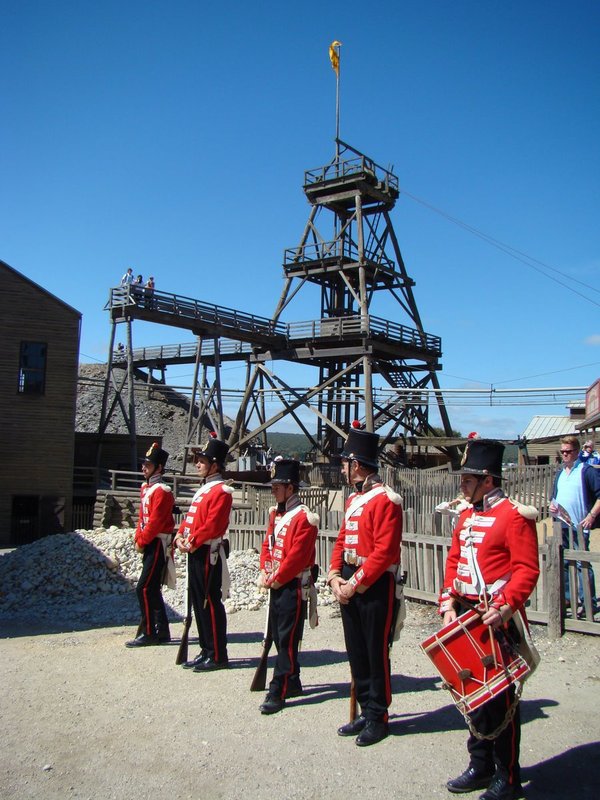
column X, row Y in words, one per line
column 162, row 628
column 143, row 641
column 470, row 780
column 272, row 704
column 501, row 789
column 372, row 733
column 352, row 728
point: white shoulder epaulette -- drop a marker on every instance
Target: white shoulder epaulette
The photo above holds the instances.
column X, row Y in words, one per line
column 312, row 518
column 226, row 488
column 529, row 512
column 394, row 497
column 159, row 485
column 272, row 508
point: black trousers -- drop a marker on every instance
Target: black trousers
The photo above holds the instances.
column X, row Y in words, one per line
column 149, row 592
column 367, row 621
column 502, row 752
column 287, row 612
column 211, row 619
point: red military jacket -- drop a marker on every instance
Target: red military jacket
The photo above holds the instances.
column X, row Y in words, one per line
column 370, row 535
column 289, row 545
column 208, row 514
column 156, row 512
column 504, row 541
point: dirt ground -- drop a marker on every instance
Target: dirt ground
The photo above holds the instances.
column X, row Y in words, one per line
column 84, row 717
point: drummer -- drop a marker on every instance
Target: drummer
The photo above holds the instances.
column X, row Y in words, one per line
column 493, row 560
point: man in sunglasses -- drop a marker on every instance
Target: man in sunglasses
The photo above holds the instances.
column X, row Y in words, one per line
column 576, row 503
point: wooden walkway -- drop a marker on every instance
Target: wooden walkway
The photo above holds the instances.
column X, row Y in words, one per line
column 212, row 321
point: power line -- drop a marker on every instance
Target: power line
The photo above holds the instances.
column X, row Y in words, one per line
column 97, row 360
column 523, row 377
column 518, row 255
column 543, row 374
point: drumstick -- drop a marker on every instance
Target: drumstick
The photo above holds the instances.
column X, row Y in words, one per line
column 476, row 608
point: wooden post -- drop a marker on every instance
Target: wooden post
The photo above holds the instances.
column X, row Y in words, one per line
column 554, row 566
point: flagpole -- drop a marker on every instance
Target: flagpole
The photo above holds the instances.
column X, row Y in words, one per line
column 337, row 108
column 334, row 57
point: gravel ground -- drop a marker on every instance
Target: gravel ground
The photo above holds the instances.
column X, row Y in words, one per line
column 84, row 717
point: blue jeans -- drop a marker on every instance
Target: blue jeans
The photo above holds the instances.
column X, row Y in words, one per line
column 583, row 573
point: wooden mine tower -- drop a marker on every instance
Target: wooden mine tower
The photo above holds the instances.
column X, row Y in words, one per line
column 354, row 265
column 369, row 367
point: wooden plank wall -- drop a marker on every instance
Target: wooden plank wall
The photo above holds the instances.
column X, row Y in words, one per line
column 38, row 429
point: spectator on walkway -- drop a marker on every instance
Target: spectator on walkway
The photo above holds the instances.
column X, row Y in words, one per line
column 137, row 286
column 127, row 279
column 149, row 292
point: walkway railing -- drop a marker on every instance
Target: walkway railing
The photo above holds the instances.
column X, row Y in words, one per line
column 342, row 168
column 188, row 308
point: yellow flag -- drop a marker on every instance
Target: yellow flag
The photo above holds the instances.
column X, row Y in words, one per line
column 334, row 56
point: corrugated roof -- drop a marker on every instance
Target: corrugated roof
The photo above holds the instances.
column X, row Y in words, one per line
column 544, row 425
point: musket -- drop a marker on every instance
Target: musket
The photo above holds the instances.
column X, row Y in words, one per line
column 396, row 611
column 352, row 700
column 259, row 681
column 182, row 652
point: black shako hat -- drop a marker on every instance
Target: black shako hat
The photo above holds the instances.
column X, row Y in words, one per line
column 361, row 446
column 214, row 450
column 482, row 457
column 285, row 470
column 156, row 455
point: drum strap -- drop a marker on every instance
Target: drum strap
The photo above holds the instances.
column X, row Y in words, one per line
column 510, row 713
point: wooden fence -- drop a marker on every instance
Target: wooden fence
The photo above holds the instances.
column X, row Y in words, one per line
column 426, row 537
column 424, row 558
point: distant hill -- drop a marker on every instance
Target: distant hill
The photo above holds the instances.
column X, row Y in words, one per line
column 290, row 445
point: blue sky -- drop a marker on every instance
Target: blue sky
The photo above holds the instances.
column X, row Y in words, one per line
column 173, row 138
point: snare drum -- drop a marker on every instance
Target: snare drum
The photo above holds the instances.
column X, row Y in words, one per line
column 476, row 665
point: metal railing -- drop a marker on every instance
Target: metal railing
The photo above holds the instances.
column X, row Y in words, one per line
column 189, row 308
column 355, row 325
column 337, row 250
column 350, row 167
column 171, row 352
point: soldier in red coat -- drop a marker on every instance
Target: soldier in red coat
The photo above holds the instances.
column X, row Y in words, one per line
column 200, row 535
column 365, row 567
column 286, row 561
column 153, row 537
column 493, row 559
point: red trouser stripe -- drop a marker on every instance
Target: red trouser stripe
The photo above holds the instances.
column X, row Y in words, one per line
column 513, row 746
column 149, row 621
column 386, row 639
column 211, row 607
column 292, row 638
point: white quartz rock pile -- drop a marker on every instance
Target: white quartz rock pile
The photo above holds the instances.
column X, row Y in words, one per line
column 64, row 569
column 91, row 576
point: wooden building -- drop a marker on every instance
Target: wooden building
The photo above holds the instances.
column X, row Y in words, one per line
column 589, row 427
column 38, row 388
column 543, row 433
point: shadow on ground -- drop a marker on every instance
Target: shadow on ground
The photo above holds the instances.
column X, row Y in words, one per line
column 574, row 773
